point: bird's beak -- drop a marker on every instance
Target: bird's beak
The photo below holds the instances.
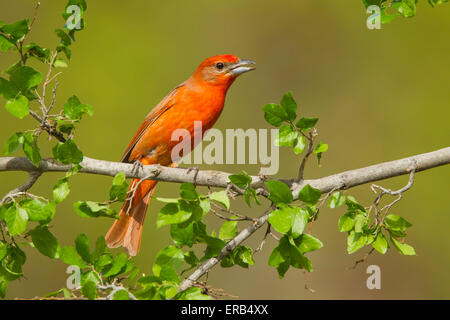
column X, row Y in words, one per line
column 242, row 66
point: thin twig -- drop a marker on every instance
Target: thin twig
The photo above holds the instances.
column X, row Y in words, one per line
column 361, row 260
column 385, row 191
column 321, row 203
column 310, row 138
column 33, row 177
column 231, row 219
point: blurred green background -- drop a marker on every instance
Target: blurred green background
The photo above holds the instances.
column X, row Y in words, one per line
column 380, row 95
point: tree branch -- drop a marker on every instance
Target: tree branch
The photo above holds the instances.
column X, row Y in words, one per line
column 344, row 180
column 34, row 176
column 385, row 170
column 231, row 245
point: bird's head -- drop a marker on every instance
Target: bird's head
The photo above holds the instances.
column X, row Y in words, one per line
column 222, row 70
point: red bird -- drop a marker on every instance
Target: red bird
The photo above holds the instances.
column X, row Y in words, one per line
column 200, row 98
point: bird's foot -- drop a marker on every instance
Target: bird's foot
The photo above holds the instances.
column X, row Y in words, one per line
column 137, row 165
column 196, row 169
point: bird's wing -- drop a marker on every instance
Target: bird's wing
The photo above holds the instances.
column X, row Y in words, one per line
column 165, row 104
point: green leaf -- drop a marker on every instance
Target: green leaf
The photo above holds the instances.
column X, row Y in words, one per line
column 289, row 105
column 66, row 50
column 403, row 248
column 286, row 136
column 61, row 190
column 60, row 63
column 13, row 144
column 3, row 287
column 170, row 256
column 119, row 187
column 11, row 266
column 4, row 208
column 299, row 144
column 191, row 259
column 45, row 242
column 305, row 124
column 241, row 180
column 353, row 205
column 395, row 222
column 103, row 263
column 406, row 8
column 221, row 197
column 275, row 114
column 227, row 262
column 31, row 149
column 70, row 256
column 89, row 290
column 299, row 261
column 5, row 43
column 214, row 246
column 187, row 191
column 133, row 274
column 3, row 250
column 100, row 247
column 117, row 266
column 293, row 256
column 309, row 195
column 18, row 107
column 434, row 3
column 25, row 77
column 65, row 39
column 276, row 258
column 250, row 193
column 337, row 199
column 83, row 247
column 74, row 109
column 355, row 241
column 243, row 256
column 7, row 89
column 380, row 243
column 228, row 230
column 38, row 210
column 281, row 219
column 169, row 274
column 279, row 192
column 193, row 293
column 145, row 281
column 346, row 222
column 34, row 50
column 360, row 222
column 182, row 234
column 306, row 243
column 121, row 294
column 397, row 233
column 93, row 209
column 67, row 152
column 17, row 29
column 320, row 148
column 11, row 69
column 300, row 217
column 16, row 220
column 174, row 213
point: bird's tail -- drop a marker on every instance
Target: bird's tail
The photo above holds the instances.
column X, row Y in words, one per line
column 127, row 231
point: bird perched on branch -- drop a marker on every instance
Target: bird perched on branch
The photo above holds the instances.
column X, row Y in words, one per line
column 200, row 98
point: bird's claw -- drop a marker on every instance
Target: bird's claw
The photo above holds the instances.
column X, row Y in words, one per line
column 137, row 165
column 262, row 177
column 196, row 169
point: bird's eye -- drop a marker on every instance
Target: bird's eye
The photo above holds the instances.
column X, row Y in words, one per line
column 219, row 65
